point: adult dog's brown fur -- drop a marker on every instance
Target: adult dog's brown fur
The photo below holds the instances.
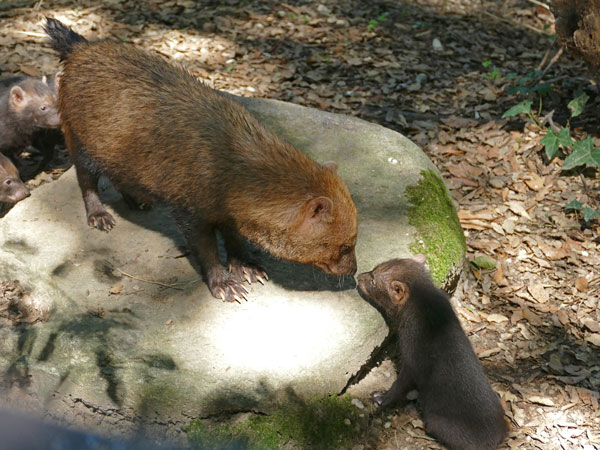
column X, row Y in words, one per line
column 161, row 135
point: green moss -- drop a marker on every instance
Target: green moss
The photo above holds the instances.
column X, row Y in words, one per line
column 316, row 424
column 439, row 234
column 157, row 394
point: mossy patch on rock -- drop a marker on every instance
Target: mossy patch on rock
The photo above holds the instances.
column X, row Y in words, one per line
column 440, row 236
column 327, row 422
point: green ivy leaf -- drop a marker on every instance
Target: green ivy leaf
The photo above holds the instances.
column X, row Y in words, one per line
column 550, row 143
column 564, row 138
column 595, row 157
column 574, row 204
column 581, row 155
column 542, row 88
column 487, row 63
column 590, row 214
column 484, row 262
column 576, row 105
column 522, row 108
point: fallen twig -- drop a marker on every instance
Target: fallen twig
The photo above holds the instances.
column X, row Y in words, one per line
column 538, row 3
column 552, row 61
column 514, row 22
column 172, row 286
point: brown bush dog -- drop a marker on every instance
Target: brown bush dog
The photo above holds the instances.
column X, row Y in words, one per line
column 12, row 189
column 459, row 406
column 27, row 105
column 162, row 135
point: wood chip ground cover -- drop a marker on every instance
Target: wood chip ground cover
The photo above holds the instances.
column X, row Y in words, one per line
column 416, row 67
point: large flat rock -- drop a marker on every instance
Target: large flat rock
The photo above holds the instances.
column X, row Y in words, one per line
column 134, row 332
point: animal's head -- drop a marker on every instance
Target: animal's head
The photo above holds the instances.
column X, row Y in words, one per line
column 35, row 103
column 316, row 224
column 389, row 284
column 325, row 228
column 12, row 189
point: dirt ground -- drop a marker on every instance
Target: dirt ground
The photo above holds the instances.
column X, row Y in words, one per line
column 438, row 72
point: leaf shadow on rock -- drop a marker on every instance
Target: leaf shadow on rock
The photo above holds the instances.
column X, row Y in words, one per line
column 18, row 373
column 93, row 331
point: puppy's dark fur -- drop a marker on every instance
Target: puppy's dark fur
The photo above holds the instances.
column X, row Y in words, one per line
column 459, row 406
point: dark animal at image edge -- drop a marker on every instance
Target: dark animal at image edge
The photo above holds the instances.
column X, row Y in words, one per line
column 459, row 406
column 12, row 189
column 44, row 139
column 163, row 136
column 27, row 105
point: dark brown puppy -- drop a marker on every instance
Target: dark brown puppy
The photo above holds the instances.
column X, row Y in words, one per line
column 43, row 139
column 26, row 105
column 459, row 406
column 12, row 189
column 161, row 135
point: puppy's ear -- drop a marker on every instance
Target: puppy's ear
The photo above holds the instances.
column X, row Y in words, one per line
column 399, row 292
column 331, row 165
column 18, row 97
column 420, row 258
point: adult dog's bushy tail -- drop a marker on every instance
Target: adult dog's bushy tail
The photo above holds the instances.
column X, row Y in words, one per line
column 62, row 38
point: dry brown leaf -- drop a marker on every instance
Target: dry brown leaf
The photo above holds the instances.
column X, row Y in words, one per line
column 459, row 122
column 562, row 317
column 571, row 246
column 591, row 324
column 534, row 181
column 465, row 181
column 587, row 397
column 497, row 228
column 545, row 401
column 508, row 396
column 484, row 244
column 490, row 352
column 516, row 316
column 499, row 275
column 593, row 338
column 464, row 214
column 538, row 292
column 469, row 315
column 457, row 170
column 518, row 208
column 509, row 225
column 581, row 283
column 116, row 289
column 269, row 67
column 530, row 316
column 514, row 164
column 496, row 318
column 31, row 71
column 552, row 253
column 541, row 194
